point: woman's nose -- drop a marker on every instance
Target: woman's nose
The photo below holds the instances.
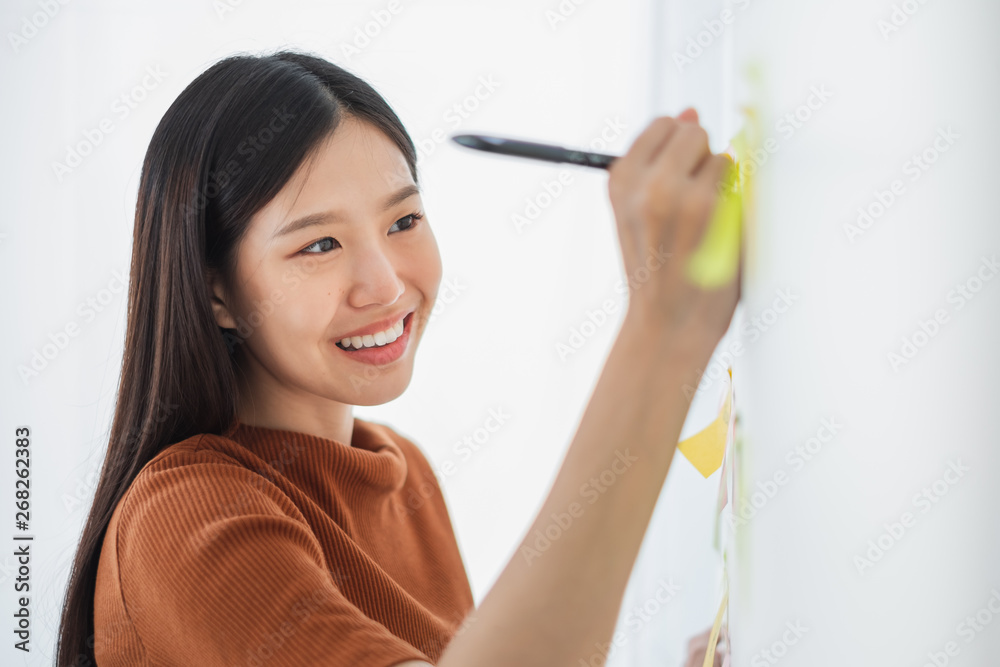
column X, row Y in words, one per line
column 374, row 279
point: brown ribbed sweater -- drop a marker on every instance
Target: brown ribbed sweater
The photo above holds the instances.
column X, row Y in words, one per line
column 265, row 547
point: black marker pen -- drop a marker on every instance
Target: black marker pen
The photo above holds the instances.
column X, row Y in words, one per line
column 535, row 151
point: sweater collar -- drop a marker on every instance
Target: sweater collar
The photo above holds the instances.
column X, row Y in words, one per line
column 373, row 460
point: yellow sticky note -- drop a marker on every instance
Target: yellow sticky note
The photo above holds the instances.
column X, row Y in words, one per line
column 713, row 637
column 706, row 448
column 716, row 259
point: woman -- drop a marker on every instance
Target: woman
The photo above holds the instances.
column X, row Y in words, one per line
column 283, row 271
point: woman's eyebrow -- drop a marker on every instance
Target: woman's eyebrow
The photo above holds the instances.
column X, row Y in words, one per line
column 393, row 199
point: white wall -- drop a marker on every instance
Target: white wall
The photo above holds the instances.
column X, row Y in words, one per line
column 518, row 294
column 860, row 293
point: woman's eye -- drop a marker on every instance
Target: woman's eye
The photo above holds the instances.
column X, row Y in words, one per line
column 324, row 242
column 323, row 245
column 413, row 218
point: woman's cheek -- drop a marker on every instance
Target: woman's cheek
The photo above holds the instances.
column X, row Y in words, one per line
column 429, row 266
column 305, row 318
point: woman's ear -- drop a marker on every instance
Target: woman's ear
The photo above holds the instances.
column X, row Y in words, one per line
column 220, row 301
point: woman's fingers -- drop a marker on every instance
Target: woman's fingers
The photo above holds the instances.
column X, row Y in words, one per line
column 702, row 197
column 690, row 115
column 698, row 647
column 647, row 146
column 684, row 153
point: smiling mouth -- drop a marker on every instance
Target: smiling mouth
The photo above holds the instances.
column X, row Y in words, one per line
column 388, row 344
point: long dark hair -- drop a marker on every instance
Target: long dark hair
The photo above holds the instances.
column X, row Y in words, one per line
column 224, row 148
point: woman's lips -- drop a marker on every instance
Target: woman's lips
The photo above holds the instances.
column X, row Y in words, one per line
column 384, row 354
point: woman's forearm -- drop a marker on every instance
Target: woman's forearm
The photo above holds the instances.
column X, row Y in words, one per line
column 558, row 598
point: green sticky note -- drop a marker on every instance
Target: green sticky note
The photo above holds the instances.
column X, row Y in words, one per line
column 717, row 258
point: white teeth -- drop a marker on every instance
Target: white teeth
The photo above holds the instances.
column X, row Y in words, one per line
column 375, row 340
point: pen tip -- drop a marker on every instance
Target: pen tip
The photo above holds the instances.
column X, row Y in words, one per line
column 465, row 140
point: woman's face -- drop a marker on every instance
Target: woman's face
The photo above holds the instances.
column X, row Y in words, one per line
column 302, row 288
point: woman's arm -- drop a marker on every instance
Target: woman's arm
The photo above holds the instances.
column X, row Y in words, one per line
column 557, row 601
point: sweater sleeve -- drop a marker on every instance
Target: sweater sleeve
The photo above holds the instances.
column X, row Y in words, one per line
column 217, row 567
